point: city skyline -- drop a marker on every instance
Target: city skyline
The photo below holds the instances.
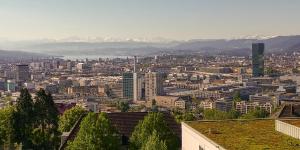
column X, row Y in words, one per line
column 146, row 20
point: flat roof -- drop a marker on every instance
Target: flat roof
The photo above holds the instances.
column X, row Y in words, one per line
column 246, row 134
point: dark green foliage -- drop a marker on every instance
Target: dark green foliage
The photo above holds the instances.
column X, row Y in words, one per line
column 45, row 133
column 96, row 133
column 255, row 114
column 153, row 122
column 237, row 96
column 23, row 119
column 123, row 106
column 295, row 70
column 34, row 125
column 69, row 118
column 186, row 116
column 154, row 107
column 213, row 114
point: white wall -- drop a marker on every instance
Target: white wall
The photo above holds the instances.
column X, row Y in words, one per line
column 287, row 129
column 194, row 140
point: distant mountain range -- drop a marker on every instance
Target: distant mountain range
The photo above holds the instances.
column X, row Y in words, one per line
column 277, row 44
column 5, row 54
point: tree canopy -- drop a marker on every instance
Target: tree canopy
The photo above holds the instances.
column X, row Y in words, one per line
column 69, row 118
column 123, row 106
column 257, row 113
column 6, row 129
column 153, row 122
column 213, row 114
column 96, row 133
column 24, row 119
column 45, row 133
column 154, row 143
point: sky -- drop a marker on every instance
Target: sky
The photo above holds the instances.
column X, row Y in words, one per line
column 148, row 19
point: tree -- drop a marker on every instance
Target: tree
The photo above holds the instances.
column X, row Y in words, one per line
column 23, row 119
column 233, row 114
column 154, row 107
column 6, row 128
column 153, row 122
column 123, row 106
column 96, row 132
column 154, row 143
column 237, row 96
column 69, row 118
column 213, row 114
column 257, row 113
column 45, row 133
column 295, row 70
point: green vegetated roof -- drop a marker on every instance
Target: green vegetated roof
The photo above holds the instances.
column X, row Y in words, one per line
column 295, row 122
column 246, row 135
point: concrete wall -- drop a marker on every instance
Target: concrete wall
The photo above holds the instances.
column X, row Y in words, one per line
column 287, row 129
column 194, row 140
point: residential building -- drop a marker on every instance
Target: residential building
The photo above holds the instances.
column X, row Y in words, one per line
column 153, row 85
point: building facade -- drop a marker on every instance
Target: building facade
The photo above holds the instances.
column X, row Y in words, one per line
column 153, row 85
column 258, row 59
column 127, row 85
column 22, row 73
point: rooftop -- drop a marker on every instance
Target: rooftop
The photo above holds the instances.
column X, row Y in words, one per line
column 245, row 134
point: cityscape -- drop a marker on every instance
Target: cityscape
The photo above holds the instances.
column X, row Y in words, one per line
column 214, row 93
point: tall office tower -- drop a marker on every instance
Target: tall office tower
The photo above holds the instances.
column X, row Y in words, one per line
column 127, row 85
column 258, row 59
column 153, row 85
column 22, row 73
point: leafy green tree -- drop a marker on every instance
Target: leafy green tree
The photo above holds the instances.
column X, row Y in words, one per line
column 123, row 106
column 96, row 133
column 153, row 122
column 213, row 114
column 186, row 116
column 154, row 143
column 237, row 96
column 23, row 119
column 6, row 128
column 69, row 118
column 233, row 114
column 154, row 107
column 45, row 133
column 295, row 70
column 257, row 113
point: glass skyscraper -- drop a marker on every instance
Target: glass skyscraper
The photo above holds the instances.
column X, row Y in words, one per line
column 258, row 59
column 128, row 85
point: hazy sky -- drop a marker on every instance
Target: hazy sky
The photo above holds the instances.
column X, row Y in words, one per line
column 172, row 19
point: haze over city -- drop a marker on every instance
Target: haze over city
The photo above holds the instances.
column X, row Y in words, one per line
column 146, row 20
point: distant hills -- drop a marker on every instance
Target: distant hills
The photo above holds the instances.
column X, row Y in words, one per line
column 279, row 44
column 5, row 54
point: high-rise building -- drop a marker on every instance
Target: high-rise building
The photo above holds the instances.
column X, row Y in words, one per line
column 138, row 84
column 22, row 73
column 153, row 85
column 138, row 87
column 258, row 59
column 127, row 85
